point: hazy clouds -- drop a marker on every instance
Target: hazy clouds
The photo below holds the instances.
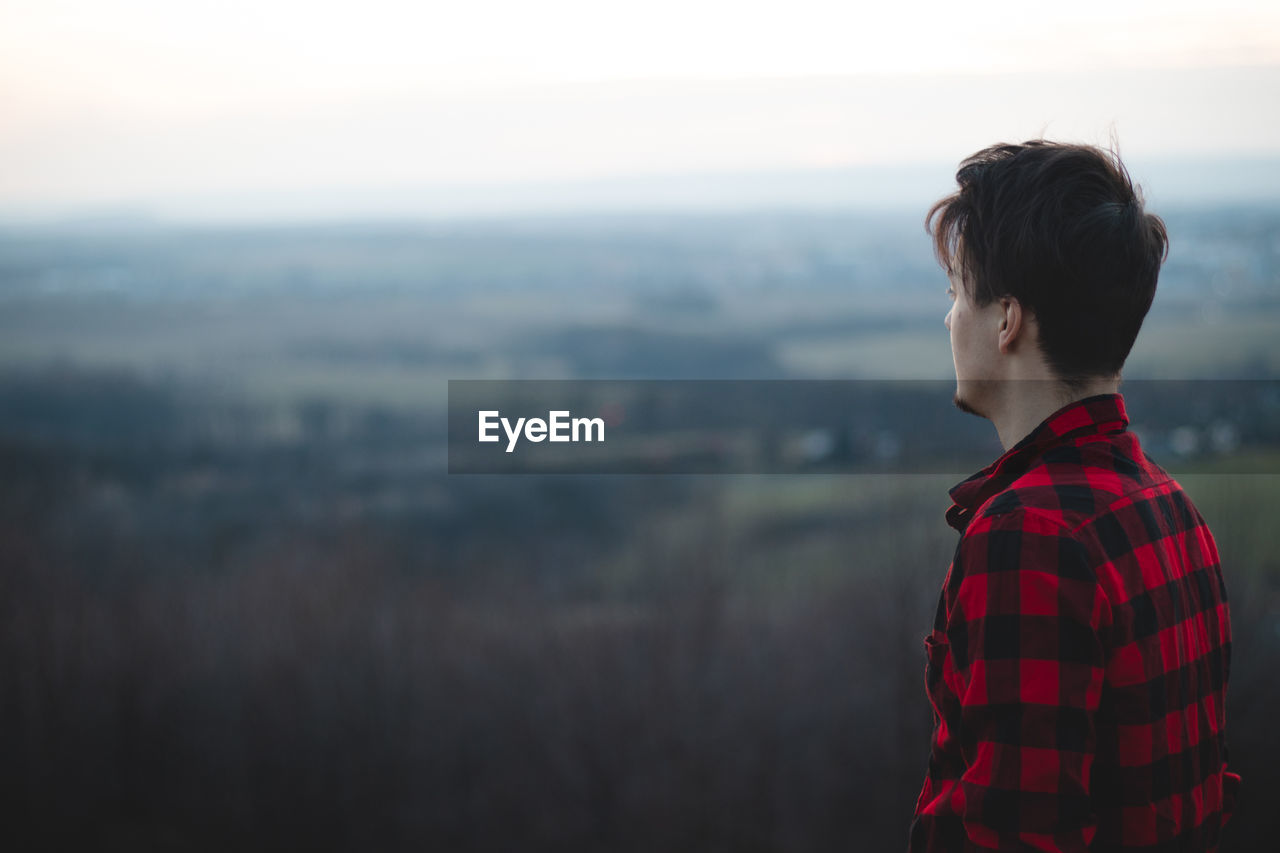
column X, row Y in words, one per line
column 237, row 109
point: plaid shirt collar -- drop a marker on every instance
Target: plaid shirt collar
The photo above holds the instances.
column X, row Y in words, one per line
column 1098, row 415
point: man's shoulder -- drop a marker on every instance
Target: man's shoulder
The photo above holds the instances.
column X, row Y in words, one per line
column 1075, row 483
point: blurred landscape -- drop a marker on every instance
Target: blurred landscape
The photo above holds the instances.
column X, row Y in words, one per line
column 243, row 604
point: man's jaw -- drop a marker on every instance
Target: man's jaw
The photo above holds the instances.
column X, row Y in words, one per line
column 963, row 405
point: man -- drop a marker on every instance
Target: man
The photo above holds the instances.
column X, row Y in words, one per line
column 1079, row 658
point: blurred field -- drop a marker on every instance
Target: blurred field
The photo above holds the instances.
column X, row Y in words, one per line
column 242, row 605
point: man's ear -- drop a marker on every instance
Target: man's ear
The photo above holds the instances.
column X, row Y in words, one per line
column 1013, row 323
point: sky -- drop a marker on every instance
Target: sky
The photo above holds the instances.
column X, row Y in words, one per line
column 285, row 108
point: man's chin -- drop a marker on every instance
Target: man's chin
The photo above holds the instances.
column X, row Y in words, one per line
column 965, row 406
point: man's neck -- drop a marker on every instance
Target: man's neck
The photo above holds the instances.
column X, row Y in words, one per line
column 1028, row 403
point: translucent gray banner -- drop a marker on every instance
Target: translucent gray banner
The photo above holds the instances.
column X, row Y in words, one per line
column 818, row 426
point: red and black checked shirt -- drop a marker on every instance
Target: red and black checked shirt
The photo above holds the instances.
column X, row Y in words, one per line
column 1079, row 659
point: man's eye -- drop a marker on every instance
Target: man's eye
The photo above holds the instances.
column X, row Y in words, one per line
column 951, row 292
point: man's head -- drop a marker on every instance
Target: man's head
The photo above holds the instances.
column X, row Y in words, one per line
column 1052, row 260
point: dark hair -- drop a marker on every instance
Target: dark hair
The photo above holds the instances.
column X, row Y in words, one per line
column 1062, row 228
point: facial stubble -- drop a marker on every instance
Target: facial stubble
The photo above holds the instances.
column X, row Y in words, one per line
column 963, row 405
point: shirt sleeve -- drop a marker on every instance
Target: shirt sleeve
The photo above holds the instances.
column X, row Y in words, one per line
column 1028, row 664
